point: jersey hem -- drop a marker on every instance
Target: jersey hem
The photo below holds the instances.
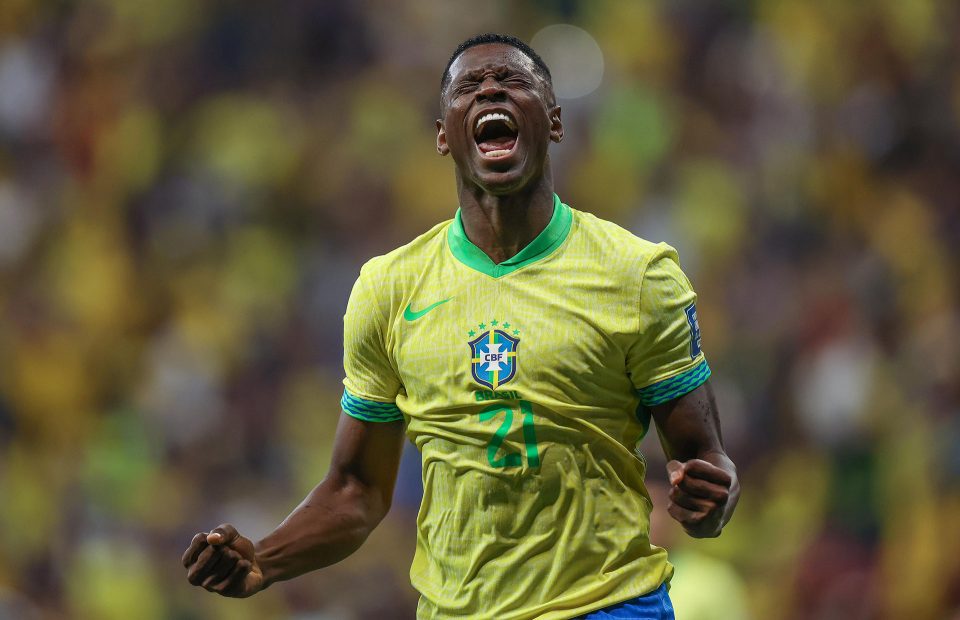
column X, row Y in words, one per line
column 676, row 386
column 579, row 611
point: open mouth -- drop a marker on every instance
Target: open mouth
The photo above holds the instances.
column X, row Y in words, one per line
column 495, row 134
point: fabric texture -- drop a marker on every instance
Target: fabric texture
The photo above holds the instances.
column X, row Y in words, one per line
column 522, row 391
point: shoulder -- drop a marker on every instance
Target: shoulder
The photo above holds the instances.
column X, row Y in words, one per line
column 380, row 288
column 616, row 245
column 407, row 260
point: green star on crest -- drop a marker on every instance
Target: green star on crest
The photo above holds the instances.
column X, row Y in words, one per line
column 506, row 325
column 471, row 333
column 516, row 332
column 493, row 322
column 483, row 325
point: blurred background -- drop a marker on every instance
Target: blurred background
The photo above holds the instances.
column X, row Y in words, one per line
column 188, row 190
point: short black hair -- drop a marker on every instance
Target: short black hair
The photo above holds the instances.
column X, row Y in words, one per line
column 506, row 39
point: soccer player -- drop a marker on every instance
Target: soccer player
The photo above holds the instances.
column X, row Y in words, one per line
column 523, row 347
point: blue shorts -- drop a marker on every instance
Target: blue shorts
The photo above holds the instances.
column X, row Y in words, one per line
column 653, row 606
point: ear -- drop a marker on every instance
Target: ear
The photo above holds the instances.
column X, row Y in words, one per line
column 556, row 125
column 442, row 147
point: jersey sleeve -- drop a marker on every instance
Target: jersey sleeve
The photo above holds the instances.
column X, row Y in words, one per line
column 370, row 381
column 665, row 360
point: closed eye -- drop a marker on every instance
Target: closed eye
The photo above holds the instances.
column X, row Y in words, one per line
column 464, row 87
column 518, row 81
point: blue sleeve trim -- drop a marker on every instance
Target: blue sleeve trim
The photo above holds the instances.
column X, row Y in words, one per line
column 369, row 410
column 675, row 386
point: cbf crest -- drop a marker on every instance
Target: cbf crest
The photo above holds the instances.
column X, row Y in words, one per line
column 493, row 353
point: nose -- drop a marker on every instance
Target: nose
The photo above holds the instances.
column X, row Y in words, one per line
column 490, row 89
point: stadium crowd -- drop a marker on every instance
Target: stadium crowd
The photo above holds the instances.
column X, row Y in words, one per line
column 188, row 190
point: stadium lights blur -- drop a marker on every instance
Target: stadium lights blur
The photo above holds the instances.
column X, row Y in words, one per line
column 574, row 58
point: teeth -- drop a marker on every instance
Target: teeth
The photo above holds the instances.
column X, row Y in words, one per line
column 495, row 116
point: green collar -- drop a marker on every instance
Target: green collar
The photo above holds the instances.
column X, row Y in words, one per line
column 545, row 243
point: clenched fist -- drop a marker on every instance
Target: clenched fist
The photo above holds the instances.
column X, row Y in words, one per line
column 224, row 562
column 699, row 492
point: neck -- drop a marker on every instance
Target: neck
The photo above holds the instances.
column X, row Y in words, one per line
column 502, row 225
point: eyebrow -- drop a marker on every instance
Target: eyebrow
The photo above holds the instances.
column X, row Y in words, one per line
column 477, row 73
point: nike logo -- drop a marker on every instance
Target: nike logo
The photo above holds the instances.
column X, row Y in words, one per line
column 410, row 315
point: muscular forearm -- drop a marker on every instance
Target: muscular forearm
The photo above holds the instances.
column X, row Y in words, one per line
column 330, row 524
column 704, row 485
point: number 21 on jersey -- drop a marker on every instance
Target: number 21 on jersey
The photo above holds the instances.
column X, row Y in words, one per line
column 510, row 458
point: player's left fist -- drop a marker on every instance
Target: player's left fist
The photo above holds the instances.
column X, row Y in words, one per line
column 699, row 492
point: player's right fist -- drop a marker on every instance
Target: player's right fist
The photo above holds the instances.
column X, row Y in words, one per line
column 224, row 562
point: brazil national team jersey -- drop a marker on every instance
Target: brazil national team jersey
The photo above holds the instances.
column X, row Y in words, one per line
column 525, row 386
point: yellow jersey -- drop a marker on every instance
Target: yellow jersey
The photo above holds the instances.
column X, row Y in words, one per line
column 525, row 386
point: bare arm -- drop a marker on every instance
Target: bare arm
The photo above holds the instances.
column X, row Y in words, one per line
column 328, row 525
column 704, row 485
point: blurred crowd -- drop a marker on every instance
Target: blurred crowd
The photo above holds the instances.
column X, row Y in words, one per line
column 188, row 190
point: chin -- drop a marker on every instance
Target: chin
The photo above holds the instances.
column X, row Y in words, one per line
column 502, row 183
column 502, row 179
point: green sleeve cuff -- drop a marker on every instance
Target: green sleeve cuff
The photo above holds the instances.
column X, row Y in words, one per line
column 676, row 386
column 369, row 410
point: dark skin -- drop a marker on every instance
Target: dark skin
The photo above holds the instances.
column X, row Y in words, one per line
column 506, row 200
column 328, row 525
column 704, row 488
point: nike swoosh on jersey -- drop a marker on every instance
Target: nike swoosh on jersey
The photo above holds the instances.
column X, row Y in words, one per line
column 410, row 315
